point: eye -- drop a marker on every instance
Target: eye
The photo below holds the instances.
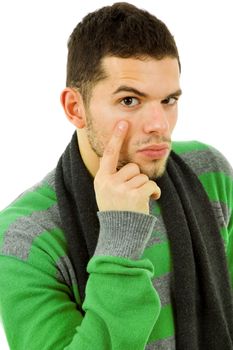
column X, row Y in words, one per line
column 170, row 100
column 129, row 101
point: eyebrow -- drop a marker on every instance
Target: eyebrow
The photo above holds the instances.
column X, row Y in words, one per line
column 176, row 93
column 125, row 88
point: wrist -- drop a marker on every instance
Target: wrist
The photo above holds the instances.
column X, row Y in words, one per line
column 124, row 233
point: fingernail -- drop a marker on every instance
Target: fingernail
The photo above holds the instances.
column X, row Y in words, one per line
column 122, row 125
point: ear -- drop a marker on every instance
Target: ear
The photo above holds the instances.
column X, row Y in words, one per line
column 73, row 106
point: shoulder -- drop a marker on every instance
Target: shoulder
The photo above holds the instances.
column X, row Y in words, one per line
column 216, row 175
column 203, row 158
column 33, row 214
column 214, row 172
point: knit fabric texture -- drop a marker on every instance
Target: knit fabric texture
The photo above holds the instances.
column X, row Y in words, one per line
column 128, row 300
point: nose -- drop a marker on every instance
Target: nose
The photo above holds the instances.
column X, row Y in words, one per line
column 156, row 120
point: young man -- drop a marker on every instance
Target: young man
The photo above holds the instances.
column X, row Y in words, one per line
column 127, row 244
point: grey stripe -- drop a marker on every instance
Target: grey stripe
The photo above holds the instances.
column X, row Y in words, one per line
column 162, row 285
column 207, row 161
column 50, row 179
column 19, row 237
column 162, row 344
column 222, row 213
column 159, row 234
column 65, row 271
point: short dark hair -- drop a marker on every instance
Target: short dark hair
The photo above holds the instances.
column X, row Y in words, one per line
column 120, row 30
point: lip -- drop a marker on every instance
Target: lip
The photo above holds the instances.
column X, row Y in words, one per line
column 156, row 151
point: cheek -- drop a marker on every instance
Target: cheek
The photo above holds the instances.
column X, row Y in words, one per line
column 172, row 120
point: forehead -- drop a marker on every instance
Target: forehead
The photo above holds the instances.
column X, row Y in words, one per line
column 149, row 74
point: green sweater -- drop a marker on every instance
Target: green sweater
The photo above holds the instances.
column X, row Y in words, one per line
column 128, row 302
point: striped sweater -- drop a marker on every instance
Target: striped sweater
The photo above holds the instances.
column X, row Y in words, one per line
column 128, row 297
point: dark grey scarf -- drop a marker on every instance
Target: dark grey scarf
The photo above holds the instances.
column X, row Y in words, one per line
column 202, row 295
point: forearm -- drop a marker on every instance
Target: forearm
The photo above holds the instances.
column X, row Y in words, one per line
column 121, row 303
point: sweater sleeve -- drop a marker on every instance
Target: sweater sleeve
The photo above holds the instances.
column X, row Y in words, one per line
column 121, row 305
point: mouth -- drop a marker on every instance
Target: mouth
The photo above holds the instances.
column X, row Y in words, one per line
column 157, row 151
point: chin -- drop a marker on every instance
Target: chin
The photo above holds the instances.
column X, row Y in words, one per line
column 154, row 171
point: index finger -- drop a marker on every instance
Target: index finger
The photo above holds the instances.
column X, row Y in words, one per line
column 111, row 153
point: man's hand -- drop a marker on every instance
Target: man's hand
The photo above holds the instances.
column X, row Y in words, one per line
column 126, row 189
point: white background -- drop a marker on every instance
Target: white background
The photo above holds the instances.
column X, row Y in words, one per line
column 33, row 37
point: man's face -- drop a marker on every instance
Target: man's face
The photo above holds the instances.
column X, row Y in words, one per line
column 145, row 94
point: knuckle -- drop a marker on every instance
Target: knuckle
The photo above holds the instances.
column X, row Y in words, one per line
column 109, row 150
column 134, row 167
column 144, row 177
column 150, row 186
column 152, row 183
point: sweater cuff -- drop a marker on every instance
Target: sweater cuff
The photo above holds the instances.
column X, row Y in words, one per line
column 124, row 233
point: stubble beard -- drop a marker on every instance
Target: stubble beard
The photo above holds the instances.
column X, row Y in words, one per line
column 154, row 170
